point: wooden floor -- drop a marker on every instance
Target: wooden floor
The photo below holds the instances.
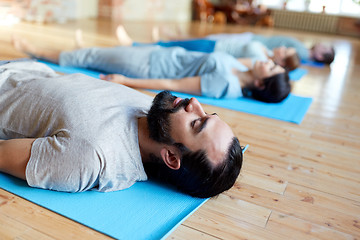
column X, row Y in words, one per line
column 298, row 181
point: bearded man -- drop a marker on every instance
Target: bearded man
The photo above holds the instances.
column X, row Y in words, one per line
column 75, row 133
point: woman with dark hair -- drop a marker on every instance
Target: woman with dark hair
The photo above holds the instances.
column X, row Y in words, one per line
column 217, row 75
column 275, row 89
column 263, row 81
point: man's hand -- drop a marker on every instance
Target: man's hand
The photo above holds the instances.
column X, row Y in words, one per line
column 115, row 78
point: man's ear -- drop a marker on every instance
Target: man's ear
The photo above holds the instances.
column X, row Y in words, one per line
column 259, row 84
column 171, row 157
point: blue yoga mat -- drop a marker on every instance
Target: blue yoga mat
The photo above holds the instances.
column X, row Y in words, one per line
column 147, row 210
column 313, row 63
column 199, row 45
column 292, row 109
column 297, row 74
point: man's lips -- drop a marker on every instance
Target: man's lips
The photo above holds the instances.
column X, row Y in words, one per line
column 177, row 101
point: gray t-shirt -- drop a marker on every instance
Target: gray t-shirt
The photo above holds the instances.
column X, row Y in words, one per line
column 238, row 49
column 215, row 69
column 86, row 129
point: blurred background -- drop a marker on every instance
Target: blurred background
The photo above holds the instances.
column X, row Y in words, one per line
column 335, row 16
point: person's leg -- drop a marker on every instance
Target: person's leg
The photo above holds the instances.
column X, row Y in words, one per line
column 129, row 61
column 24, row 46
column 14, row 156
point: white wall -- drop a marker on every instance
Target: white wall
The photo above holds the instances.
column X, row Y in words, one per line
column 156, row 10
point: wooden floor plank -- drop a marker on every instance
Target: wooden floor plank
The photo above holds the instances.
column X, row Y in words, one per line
column 295, row 228
column 303, row 172
column 303, row 210
column 323, row 199
column 239, row 210
column 267, row 181
column 12, row 229
column 183, row 233
column 210, row 220
column 42, row 220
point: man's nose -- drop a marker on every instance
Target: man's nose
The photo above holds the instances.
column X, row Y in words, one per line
column 195, row 106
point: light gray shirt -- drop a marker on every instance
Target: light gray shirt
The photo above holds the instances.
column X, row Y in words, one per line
column 215, row 69
column 86, row 129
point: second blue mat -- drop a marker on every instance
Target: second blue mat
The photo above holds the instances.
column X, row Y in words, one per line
column 292, row 109
column 297, row 74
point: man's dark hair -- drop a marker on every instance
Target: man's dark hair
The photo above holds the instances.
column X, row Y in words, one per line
column 276, row 89
column 197, row 176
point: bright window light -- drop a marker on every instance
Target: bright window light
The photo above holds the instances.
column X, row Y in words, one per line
column 341, row 7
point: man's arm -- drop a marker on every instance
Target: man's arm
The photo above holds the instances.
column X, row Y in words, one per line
column 14, row 156
column 186, row 85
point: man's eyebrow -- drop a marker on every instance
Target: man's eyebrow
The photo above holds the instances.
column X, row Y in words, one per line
column 203, row 124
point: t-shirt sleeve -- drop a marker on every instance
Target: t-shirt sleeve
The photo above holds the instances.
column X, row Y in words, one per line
column 218, row 85
column 63, row 164
column 214, row 85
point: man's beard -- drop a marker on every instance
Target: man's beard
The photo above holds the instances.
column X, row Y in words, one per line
column 158, row 117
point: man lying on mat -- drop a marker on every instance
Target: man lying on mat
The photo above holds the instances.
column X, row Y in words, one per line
column 75, row 133
column 217, row 75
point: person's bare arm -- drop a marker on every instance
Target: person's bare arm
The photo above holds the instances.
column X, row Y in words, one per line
column 14, row 156
column 186, row 85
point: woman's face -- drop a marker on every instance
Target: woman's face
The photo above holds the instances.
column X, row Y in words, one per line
column 267, row 69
